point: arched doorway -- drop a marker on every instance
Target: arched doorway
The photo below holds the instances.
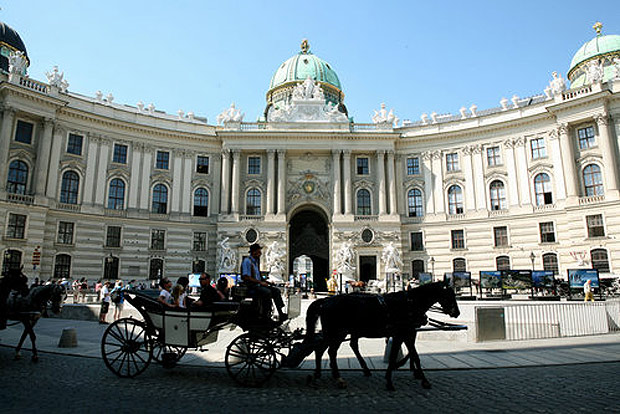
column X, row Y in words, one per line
column 308, row 235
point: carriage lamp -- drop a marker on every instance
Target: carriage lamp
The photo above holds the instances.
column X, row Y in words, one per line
column 109, row 258
column 532, row 258
column 432, row 262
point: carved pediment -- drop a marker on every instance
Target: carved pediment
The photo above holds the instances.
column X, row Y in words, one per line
column 73, row 164
column 363, row 183
column 541, row 165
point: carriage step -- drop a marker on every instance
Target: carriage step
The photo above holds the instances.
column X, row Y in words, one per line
column 68, row 338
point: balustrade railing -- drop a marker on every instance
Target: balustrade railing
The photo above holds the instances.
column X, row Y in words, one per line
column 115, row 213
column 366, row 218
column 20, row 198
column 591, row 199
column 246, row 217
column 33, row 84
column 544, row 207
column 68, row 207
column 570, row 94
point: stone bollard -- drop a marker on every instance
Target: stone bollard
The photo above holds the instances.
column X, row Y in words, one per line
column 68, row 339
column 388, row 349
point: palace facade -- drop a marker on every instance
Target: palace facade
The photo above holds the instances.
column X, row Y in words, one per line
column 96, row 188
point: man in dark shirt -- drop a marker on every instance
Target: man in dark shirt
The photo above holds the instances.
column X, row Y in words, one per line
column 208, row 294
column 257, row 287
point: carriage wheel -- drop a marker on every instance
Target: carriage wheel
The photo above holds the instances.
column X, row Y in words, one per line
column 167, row 355
column 250, row 360
column 125, row 348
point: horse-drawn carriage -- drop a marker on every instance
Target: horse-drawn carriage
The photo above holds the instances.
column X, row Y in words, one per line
column 165, row 334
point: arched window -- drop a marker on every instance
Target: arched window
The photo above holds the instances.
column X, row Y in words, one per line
column 414, row 202
column 417, row 267
column 363, row 202
column 592, row 180
column 459, row 265
column 455, row 200
column 160, row 199
column 252, row 203
column 542, row 188
column 70, row 187
column 600, row 260
column 111, row 268
column 550, row 262
column 12, row 260
column 18, row 177
column 502, row 263
column 498, row 195
column 156, row 269
column 201, row 202
column 116, row 194
column 62, row 266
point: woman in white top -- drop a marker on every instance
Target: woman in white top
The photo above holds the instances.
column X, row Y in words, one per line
column 165, row 297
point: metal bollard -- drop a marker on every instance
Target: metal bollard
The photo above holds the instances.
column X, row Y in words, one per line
column 68, row 338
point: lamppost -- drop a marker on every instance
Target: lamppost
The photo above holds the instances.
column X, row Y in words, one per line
column 532, row 258
column 432, row 262
column 109, row 260
column 5, row 262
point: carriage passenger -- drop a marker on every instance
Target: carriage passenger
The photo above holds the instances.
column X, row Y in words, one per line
column 208, row 294
column 222, row 287
column 179, row 293
column 165, row 297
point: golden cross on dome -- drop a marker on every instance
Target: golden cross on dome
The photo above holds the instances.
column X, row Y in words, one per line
column 305, row 46
column 598, row 26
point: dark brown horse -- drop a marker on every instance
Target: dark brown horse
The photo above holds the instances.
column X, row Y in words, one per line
column 396, row 315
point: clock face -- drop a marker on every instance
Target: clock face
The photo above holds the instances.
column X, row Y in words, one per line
column 309, row 187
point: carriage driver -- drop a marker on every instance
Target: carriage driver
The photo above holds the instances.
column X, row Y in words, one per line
column 257, row 288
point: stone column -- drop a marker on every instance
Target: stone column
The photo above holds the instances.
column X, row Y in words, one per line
column 271, row 155
column 337, row 185
column 177, row 170
column 52, row 176
column 391, row 182
column 346, row 161
column 481, row 191
column 8, row 118
column 187, row 195
column 134, row 182
column 281, row 181
column 568, row 161
column 43, row 158
column 513, row 188
column 468, row 169
column 524, row 179
column 381, row 180
column 147, row 167
column 225, row 190
column 102, row 173
column 427, row 166
column 236, row 174
column 610, row 162
column 558, row 171
column 438, row 189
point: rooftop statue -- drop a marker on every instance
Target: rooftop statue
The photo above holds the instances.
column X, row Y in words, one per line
column 383, row 116
column 227, row 258
column 616, row 71
column 557, row 84
column 231, row 114
column 56, row 79
column 594, row 71
column 308, row 90
column 18, row 63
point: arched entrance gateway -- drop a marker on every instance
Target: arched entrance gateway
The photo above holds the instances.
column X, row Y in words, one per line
column 309, row 236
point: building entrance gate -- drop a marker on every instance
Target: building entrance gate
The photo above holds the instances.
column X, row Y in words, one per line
column 308, row 235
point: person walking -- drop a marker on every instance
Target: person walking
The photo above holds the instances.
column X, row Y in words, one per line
column 587, row 291
column 105, row 302
column 118, row 299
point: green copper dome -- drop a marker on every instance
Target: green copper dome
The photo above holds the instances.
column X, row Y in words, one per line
column 302, row 65
column 599, row 46
column 601, row 50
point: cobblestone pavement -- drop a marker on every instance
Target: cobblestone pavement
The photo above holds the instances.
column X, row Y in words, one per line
column 60, row 383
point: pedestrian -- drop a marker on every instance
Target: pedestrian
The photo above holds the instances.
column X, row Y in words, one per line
column 98, row 286
column 83, row 289
column 117, row 297
column 587, row 291
column 75, row 286
column 105, row 302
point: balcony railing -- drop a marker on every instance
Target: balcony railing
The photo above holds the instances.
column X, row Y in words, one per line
column 20, row 198
column 501, row 212
column 544, row 207
column 570, row 94
column 115, row 213
column 456, row 216
column 33, row 84
column 591, row 199
column 366, row 218
column 246, row 217
column 68, row 207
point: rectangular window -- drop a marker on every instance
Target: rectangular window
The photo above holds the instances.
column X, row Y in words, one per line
column 413, row 166
column 16, row 229
column 458, row 239
column 538, row 148
column 23, row 132
column 202, row 165
column 157, row 239
column 253, row 165
column 163, row 160
column 74, row 144
column 500, row 235
column 120, row 154
column 596, row 227
column 113, row 236
column 417, row 244
column 586, row 137
column 362, row 166
column 65, row 232
column 452, row 162
column 547, row 232
column 200, row 241
column 493, row 156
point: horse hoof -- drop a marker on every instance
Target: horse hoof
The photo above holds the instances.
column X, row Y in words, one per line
column 367, row 373
column 17, row 357
column 426, row 385
column 341, row 384
column 35, row 358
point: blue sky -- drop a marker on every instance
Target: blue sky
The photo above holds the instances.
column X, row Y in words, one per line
column 200, row 55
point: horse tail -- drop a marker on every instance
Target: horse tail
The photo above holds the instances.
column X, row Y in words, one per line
column 312, row 316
